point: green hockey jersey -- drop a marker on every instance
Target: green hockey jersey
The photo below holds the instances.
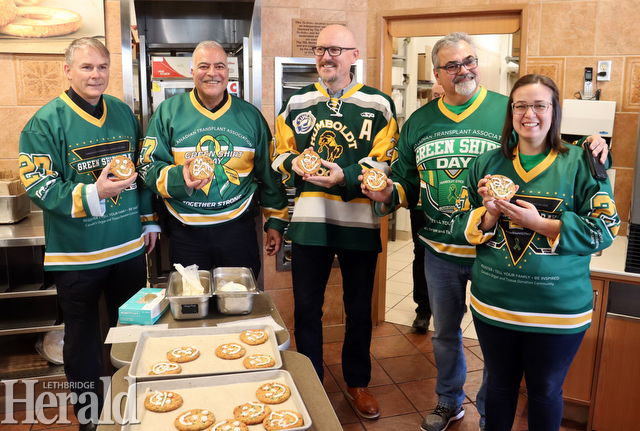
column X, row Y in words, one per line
column 236, row 137
column 435, row 149
column 356, row 130
column 62, row 152
column 522, row 280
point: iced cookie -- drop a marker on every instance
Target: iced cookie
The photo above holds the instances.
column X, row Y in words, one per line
column 282, row 420
column 165, row 368
column 122, row 167
column 258, row 361
column 254, row 337
column 251, row 413
column 162, row 401
column 230, row 351
column 273, row 393
column 183, row 354
column 194, row 420
column 501, row 187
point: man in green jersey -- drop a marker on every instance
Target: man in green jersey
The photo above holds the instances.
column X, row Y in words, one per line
column 96, row 227
column 211, row 221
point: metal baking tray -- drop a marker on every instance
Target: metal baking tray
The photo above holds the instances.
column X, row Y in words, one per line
column 234, row 302
column 185, row 307
column 219, row 394
column 153, row 345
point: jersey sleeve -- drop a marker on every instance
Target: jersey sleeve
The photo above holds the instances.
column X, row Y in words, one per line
column 595, row 222
column 466, row 219
column 379, row 157
column 41, row 166
column 156, row 164
column 273, row 197
column 284, row 149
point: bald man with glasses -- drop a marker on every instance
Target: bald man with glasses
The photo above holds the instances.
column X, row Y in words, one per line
column 351, row 126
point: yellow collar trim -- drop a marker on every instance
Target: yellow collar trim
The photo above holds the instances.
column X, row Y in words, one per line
column 541, row 167
column 98, row 122
column 467, row 112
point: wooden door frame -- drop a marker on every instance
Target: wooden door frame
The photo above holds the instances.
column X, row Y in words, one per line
column 499, row 19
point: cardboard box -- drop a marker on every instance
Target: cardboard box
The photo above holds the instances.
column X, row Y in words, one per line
column 144, row 308
column 425, row 67
column 11, row 187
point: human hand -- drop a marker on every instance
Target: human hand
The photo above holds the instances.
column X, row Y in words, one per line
column 488, row 201
column 332, row 175
column 189, row 181
column 108, row 187
column 150, row 241
column 598, row 145
column 274, row 242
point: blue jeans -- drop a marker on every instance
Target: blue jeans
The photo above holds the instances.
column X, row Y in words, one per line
column 447, row 283
column 544, row 359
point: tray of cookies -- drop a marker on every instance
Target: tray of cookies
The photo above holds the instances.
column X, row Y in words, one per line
column 262, row 400
column 190, row 352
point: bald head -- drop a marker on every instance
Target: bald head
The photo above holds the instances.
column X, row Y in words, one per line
column 337, row 31
column 335, row 71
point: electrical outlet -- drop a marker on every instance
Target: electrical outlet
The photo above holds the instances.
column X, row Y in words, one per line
column 604, row 66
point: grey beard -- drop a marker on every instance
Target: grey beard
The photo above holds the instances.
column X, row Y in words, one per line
column 466, row 88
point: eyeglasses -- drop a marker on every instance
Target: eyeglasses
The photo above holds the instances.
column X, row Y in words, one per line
column 334, row 51
column 520, row 108
column 453, row 68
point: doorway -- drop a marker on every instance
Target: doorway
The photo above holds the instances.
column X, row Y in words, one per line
column 503, row 19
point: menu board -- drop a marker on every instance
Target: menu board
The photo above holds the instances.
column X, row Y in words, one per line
column 305, row 34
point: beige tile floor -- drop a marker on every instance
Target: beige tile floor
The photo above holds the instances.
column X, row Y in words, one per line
column 400, row 308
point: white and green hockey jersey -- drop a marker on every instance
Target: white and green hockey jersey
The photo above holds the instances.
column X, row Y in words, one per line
column 356, row 130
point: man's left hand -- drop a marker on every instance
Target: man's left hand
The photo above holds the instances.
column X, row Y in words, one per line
column 150, row 241
column 274, row 242
column 598, row 145
column 334, row 176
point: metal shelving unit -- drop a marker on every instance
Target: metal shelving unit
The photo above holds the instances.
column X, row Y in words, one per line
column 28, row 300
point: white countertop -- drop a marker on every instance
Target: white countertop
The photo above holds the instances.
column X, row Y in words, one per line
column 613, row 259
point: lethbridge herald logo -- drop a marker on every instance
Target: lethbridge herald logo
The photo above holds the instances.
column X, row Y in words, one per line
column 55, row 395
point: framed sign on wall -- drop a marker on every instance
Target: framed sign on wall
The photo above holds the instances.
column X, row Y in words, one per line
column 48, row 26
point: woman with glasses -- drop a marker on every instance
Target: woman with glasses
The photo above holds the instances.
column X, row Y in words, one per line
column 531, row 295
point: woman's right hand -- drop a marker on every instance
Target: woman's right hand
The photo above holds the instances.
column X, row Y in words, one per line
column 488, row 201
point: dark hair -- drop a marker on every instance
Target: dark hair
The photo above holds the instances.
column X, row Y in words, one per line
column 552, row 140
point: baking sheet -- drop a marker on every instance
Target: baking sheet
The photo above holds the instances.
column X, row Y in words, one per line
column 219, row 394
column 153, row 346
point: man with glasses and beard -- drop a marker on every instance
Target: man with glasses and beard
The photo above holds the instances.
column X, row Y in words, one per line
column 350, row 126
column 436, row 146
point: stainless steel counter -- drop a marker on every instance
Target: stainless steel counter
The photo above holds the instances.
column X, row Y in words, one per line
column 27, row 232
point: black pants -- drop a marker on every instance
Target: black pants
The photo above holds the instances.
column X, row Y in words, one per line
column 229, row 244
column 311, row 267
column 420, row 290
column 79, row 297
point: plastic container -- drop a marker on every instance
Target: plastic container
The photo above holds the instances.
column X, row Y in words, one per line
column 234, row 302
column 184, row 307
